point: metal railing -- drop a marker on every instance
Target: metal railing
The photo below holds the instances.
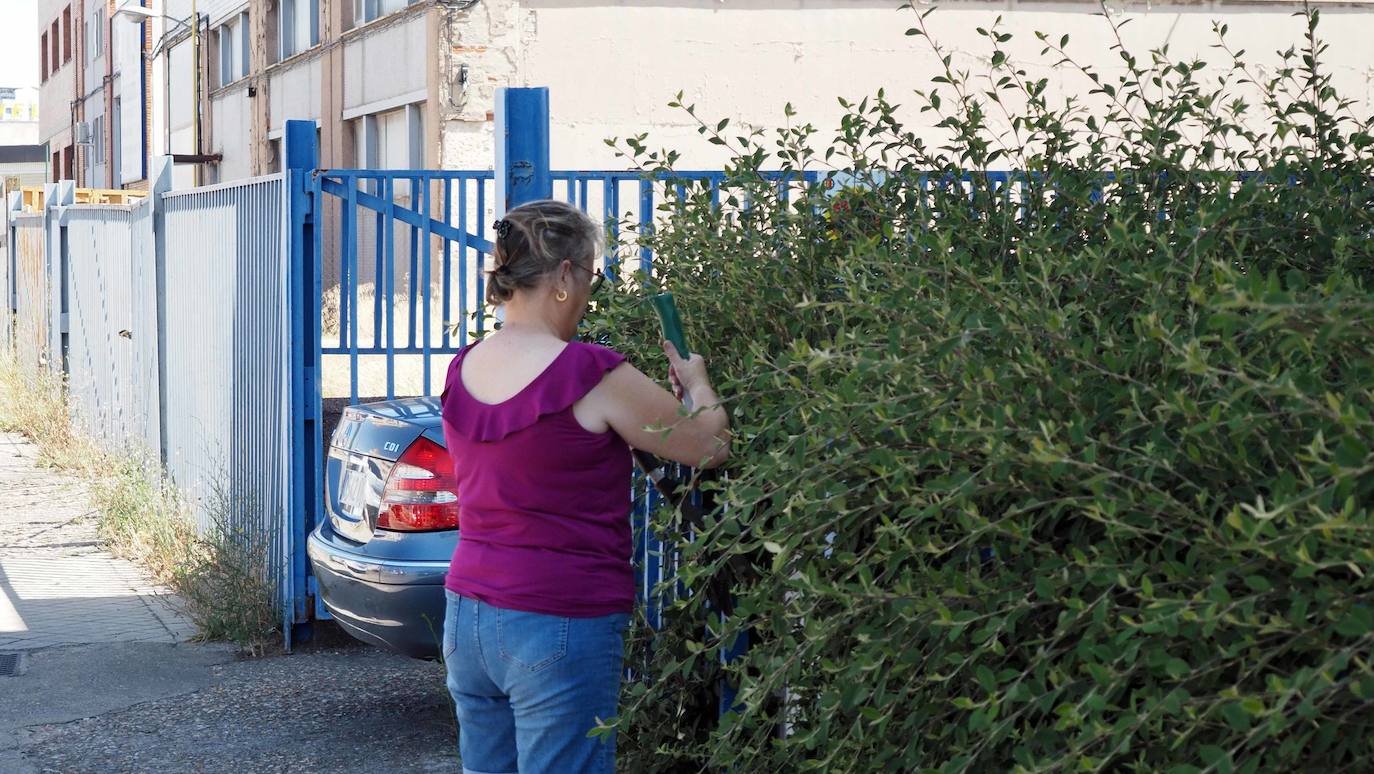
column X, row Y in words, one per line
column 170, row 320
column 411, row 253
column 225, row 367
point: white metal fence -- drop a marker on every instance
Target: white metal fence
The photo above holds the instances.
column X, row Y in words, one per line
column 168, row 321
column 225, row 349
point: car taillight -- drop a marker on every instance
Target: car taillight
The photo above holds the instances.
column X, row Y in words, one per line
column 420, row 494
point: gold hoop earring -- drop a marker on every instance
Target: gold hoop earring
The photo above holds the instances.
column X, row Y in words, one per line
column 562, row 295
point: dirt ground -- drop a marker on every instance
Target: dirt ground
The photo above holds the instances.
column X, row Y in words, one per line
column 336, row 706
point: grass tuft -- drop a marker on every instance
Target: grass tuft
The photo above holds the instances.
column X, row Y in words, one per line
column 220, row 571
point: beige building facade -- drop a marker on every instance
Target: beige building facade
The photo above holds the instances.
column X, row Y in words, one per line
column 410, row 83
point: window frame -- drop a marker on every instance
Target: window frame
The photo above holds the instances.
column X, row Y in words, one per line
column 368, row 11
column 233, row 50
column 97, row 33
column 245, row 45
column 223, row 45
column 287, row 33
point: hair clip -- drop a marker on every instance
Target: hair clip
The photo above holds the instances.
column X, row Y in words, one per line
column 501, row 227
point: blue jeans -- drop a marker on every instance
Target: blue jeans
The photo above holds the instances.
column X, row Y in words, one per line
column 528, row 687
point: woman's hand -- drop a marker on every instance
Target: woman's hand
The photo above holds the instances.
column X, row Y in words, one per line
column 687, row 376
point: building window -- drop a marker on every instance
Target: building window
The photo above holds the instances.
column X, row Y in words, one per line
column 66, row 34
column 56, row 48
column 96, row 33
column 98, row 140
column 299, row 25
column 365, row 11
column 68, row 165
column 43, row 57
column 56, row 156
column 245, row 52
column 233, row 49
column 391, row 140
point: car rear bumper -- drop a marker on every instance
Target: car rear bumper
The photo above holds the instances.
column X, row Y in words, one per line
column 395, row 604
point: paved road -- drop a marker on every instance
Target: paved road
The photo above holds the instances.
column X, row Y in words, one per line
column 111, row 680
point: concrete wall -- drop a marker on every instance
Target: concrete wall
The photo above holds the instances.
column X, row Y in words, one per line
column 386, row 68
column 294, row 92
column 19, row 133
column 134, row 89
column 612, row 67
column 230, row 133
column 181, row 111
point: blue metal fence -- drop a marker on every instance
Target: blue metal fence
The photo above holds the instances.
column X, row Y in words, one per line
column 413, row 251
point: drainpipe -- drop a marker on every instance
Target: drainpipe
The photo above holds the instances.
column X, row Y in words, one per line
column 112, row 175
column 195, row 55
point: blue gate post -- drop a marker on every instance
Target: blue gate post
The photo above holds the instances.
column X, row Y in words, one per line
column 305, row 463
column 522, row 147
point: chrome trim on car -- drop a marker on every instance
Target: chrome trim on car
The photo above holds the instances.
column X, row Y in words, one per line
column 364, row 568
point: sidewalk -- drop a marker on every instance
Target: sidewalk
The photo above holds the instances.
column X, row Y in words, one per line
column 57, row 587
column 108, row 682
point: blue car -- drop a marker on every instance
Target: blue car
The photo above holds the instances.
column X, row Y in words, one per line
column 391, row 525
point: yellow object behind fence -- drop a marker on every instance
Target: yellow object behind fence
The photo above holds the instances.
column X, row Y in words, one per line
column 33, row 197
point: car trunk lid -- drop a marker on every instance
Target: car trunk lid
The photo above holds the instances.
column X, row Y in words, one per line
column 363, row 449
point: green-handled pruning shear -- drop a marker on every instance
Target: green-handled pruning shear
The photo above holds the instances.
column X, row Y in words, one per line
column 673, row 489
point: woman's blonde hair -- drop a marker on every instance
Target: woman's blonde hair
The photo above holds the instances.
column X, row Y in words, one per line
column 533, row 239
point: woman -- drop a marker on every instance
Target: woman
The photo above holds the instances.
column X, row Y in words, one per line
column 539, row 428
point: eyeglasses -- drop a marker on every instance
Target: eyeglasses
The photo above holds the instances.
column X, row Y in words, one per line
column 598, row 276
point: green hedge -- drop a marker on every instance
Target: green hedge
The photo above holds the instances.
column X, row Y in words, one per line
column 1145, row 386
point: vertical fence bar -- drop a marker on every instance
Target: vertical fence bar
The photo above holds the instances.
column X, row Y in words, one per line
column 162, row 185
column 608, row 216
column 347, row 267
column 378, row 250
column 56, row 197
column 646, row 225
column 302, row 400
column 427, row 231
column 448, row 264
column 350, row 223
column 463, row 260
column 411, row 339
column 480, row 264
column 389, row 282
